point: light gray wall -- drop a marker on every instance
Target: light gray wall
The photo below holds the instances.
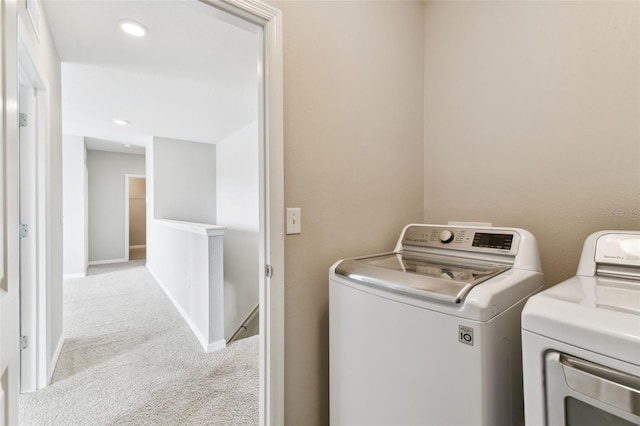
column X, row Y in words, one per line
column 181, row 186
column 107, row 172
column 353, row 152
column 238, row 210
column 532, row 119
column 184, row 180
column 75, row 224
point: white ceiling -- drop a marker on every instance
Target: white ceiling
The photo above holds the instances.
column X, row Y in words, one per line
column 193, row 77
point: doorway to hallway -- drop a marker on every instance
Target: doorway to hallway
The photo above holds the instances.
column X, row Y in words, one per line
column 135, row 217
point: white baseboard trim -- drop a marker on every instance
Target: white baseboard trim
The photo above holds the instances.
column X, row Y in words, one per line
column 208, row 347
column 216, row 346
column 105, row 262
column 72, row 276
column 138, row 247
column 54, row 359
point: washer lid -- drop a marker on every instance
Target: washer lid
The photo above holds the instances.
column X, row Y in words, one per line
column 598, row 314
column 443, row 278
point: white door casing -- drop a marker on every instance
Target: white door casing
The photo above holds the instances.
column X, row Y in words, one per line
column 271, row 202
column 28, row 245
column 33, row 101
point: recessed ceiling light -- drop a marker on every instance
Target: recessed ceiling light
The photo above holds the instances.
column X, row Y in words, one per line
column 133, row 28
column 127, row 146
column 120, row 122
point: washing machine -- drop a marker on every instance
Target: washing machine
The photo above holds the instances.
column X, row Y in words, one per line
column 581, row 339
column 429, row 334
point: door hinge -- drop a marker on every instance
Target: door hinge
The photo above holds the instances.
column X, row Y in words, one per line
column 24, row 230
column 268, row 271
column 24, row 342
column 23, row 119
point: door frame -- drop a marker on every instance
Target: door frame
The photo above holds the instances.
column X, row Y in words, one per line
column 35, row 309
column 28, row 190
column 126, row 211
column 271, row 169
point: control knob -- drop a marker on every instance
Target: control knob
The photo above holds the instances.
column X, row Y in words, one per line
column 446, row 236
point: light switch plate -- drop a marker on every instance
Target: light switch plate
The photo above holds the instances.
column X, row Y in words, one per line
column 294, row 224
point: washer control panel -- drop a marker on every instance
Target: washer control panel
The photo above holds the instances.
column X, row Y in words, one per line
column 485, row 240
column 446, row 236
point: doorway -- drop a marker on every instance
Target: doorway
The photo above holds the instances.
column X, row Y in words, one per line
column 271, row 197
column 135, row 217
column 271, row 208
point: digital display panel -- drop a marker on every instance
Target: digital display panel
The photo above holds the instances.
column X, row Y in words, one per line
column 494, row 241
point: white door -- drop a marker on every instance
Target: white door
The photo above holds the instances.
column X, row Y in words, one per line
column 28, row 246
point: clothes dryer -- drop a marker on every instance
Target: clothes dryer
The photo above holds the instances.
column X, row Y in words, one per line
column 429, row 334
column 581, row 340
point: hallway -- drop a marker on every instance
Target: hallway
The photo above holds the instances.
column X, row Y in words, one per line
column 129, row 358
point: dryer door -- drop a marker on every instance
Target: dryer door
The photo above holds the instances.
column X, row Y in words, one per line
column 582, row 393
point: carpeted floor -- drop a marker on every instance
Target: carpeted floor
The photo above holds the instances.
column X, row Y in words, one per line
column 130, row 359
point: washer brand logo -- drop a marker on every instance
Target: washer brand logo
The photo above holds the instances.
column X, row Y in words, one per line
column 465, row 335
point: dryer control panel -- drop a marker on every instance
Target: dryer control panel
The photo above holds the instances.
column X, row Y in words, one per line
column 483, row 240
column 619, row 249
column 611, row 253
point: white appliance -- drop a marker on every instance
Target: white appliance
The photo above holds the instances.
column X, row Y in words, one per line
column 581, row 339
column 430, row 333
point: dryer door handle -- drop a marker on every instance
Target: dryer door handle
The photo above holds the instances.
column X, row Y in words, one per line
column 613, row 387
